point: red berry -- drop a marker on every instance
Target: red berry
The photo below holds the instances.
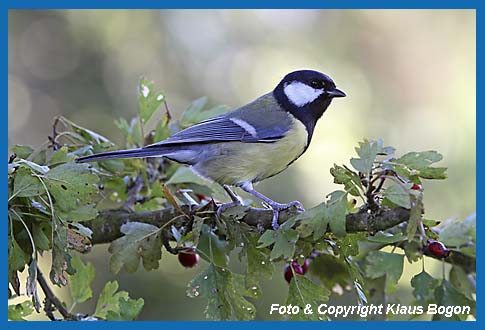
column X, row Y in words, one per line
column 438, row 249
column 305, row 265
column 296, row 268
column 188, row 257
column 417, row 187
column 288, row 274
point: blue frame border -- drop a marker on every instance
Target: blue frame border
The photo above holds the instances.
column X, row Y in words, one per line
column 7, row 5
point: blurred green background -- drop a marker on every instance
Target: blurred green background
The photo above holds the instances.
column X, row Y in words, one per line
column 409, row 76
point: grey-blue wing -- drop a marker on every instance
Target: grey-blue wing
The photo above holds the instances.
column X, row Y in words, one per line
column 247, row 124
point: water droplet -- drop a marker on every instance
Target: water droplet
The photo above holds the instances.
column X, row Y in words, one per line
column 263, row 263
column 254, row 288
column 159, row 97
column 223, row 269
column 205, row 277
column 115, row 194
column 242, row 244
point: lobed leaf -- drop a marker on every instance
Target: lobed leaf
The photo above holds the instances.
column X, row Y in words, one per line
column 141, row 241
column 81, row 280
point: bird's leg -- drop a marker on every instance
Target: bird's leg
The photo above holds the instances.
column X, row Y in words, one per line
column 234, row 198
column 275, row 207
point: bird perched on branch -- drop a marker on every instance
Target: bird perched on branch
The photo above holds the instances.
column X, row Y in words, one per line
column 251, row 143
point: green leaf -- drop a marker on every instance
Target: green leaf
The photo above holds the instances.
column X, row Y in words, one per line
column 417, row 160
column 349, row 244
column 225, row 293
column 149, row 100
column 71, row 185
column 457, row 232
column 415, row 216
column 211, row 248
column 80, row 282
column 26, row 185
column 185, row 175
column 447, row 295
column 19, row 311
column 437, row 173
column 162, row 130
column 83, row 213
column 367, row 151
column 313, row 222
column 61, row 258
column 41, row 240
column 17, row 258
column 22, row 151
column 258, row 266
column 336, row 211
column 114, row 305
column 303, row 291
column 268, row 238
column 141, row 240
column 420, row 162
column 331, row 270
column 61, row 156
column 399, row 195
column 129, row 310
column 382, row 263
column 89, row 136
column 284, row 240
column 424, row 286
column 386, row 238
column 461, row 281
column 349, row 179
column 332, row 214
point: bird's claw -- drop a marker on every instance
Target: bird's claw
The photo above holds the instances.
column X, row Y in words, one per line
column 277, row 207
column 221, row 208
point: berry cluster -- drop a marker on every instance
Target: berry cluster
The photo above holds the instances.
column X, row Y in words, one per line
column 297, row 268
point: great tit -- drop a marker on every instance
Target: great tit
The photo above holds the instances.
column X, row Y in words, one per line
column 251, row 143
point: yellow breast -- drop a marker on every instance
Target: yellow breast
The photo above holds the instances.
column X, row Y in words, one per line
column 241, row 162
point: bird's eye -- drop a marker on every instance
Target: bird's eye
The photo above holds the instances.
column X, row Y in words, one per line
column 317, row 84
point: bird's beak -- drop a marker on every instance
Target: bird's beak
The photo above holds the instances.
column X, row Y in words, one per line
column 336, row 93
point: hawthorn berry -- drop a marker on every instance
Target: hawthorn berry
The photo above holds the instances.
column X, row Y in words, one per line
column 296, row 268
column 305, row 265
column 417, row 187
column 438, row 249
column 188, row 257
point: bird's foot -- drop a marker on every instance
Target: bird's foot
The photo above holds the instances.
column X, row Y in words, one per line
column 277, row 207
column 221, row 208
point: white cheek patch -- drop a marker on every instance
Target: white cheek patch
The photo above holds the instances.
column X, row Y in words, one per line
column 301, row 94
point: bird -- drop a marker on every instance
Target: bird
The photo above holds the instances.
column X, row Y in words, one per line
column 250, row 143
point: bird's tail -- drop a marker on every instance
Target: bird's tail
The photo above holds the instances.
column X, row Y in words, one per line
column 131, row 153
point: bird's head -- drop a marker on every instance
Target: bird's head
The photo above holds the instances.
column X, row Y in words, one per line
column 306, row 91
column 304, row 88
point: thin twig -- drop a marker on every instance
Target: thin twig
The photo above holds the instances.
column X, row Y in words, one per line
column 51, row 298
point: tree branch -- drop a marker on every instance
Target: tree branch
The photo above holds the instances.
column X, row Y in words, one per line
column 106, row 227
